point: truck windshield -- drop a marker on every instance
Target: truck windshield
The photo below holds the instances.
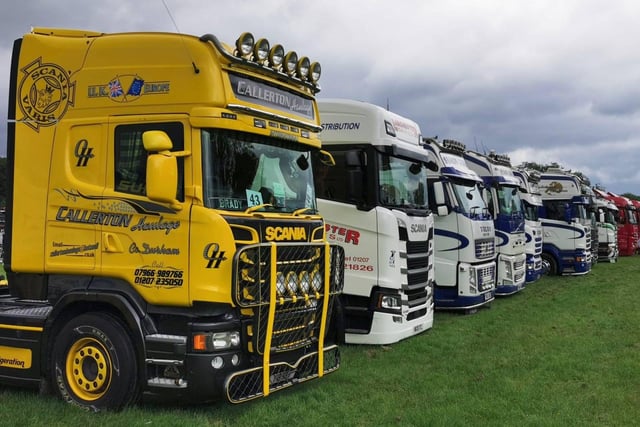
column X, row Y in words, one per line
column 509, row 200
column 631, row 216
column 530, row 211
column 402, row 183
column 581, row 214
column 242, row 170
column 469, row 197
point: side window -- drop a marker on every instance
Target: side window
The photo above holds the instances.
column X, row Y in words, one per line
column 331, row 181
column 555, row 209
column 131, row 158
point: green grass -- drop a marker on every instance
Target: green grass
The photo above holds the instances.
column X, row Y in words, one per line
column 563, row 352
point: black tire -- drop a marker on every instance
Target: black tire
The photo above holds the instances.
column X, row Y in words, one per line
column 553, row 265
column 94, row 364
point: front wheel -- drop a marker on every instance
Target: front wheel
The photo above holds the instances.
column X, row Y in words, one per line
column 552, row 266
column 94, row 363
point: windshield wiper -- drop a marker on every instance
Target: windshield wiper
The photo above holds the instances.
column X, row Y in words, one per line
column 256, row 207
column 300, row 211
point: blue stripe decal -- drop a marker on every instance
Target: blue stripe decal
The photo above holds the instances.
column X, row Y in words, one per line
column 566, row 227
column 464, row 242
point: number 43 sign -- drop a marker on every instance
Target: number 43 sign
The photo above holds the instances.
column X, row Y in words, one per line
column 254, row 198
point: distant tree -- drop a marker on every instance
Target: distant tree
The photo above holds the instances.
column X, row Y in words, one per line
column 531, row 165
column 631, row 196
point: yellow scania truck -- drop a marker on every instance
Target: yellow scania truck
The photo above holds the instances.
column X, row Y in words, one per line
column 162, row 237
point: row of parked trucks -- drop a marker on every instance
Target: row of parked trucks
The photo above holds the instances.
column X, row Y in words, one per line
column 186, row 220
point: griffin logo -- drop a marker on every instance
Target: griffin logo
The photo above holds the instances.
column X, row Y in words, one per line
column 554, row 187
column 45, row 94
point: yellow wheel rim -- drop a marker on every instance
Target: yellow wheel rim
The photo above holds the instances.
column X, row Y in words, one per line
column 88, row 369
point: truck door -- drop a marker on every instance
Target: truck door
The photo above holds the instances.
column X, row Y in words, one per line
column 78, row 161
column 148, row 244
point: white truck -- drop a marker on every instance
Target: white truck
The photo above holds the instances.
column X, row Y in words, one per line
column 531, row 203
column 375, row 204
column 464, row 232
column 606, row 213
column 566, row 226
column 505, row 207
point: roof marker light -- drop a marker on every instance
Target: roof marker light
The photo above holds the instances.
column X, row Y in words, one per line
column 315, row 71
column 302, row 68
column 244, row 44
column 261, row 50
column 290, row 62
column 276, row 56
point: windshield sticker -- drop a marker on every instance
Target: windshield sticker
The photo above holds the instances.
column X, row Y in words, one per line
column 228, row 203
column 254, row 198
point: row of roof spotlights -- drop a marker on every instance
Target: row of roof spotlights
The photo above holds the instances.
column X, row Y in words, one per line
column 274, row 56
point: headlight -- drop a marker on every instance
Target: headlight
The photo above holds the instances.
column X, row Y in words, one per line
column 292, row 283
column 212, row 341
column 280, row 284
column 305, row 282
column 316, row 280
column 390, row 302
column 225, row 340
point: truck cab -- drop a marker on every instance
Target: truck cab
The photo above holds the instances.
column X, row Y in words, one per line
column 464, row 231
column 531, row 203
column 162, row 234
column 375, row 204
column 566, row 226
column 501, row 192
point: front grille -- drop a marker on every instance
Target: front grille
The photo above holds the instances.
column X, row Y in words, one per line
column 485, row 248
column 419, row 274
column 284, row 285
column 517, row 265
column 486, row 277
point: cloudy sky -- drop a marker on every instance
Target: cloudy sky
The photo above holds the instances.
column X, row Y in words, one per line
column 543, row 81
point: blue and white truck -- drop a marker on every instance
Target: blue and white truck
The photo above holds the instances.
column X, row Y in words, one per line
column 375, row 205
column 464, row 231
column 566, row 227
column 501, row 192
column 531, row 203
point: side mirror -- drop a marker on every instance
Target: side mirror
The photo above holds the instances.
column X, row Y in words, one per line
column 568, row 217
column 432, row 166
column 326, row 158
column 162, row 168
column 441, row 205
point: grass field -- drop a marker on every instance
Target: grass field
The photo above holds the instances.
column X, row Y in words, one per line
column 563, row 352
